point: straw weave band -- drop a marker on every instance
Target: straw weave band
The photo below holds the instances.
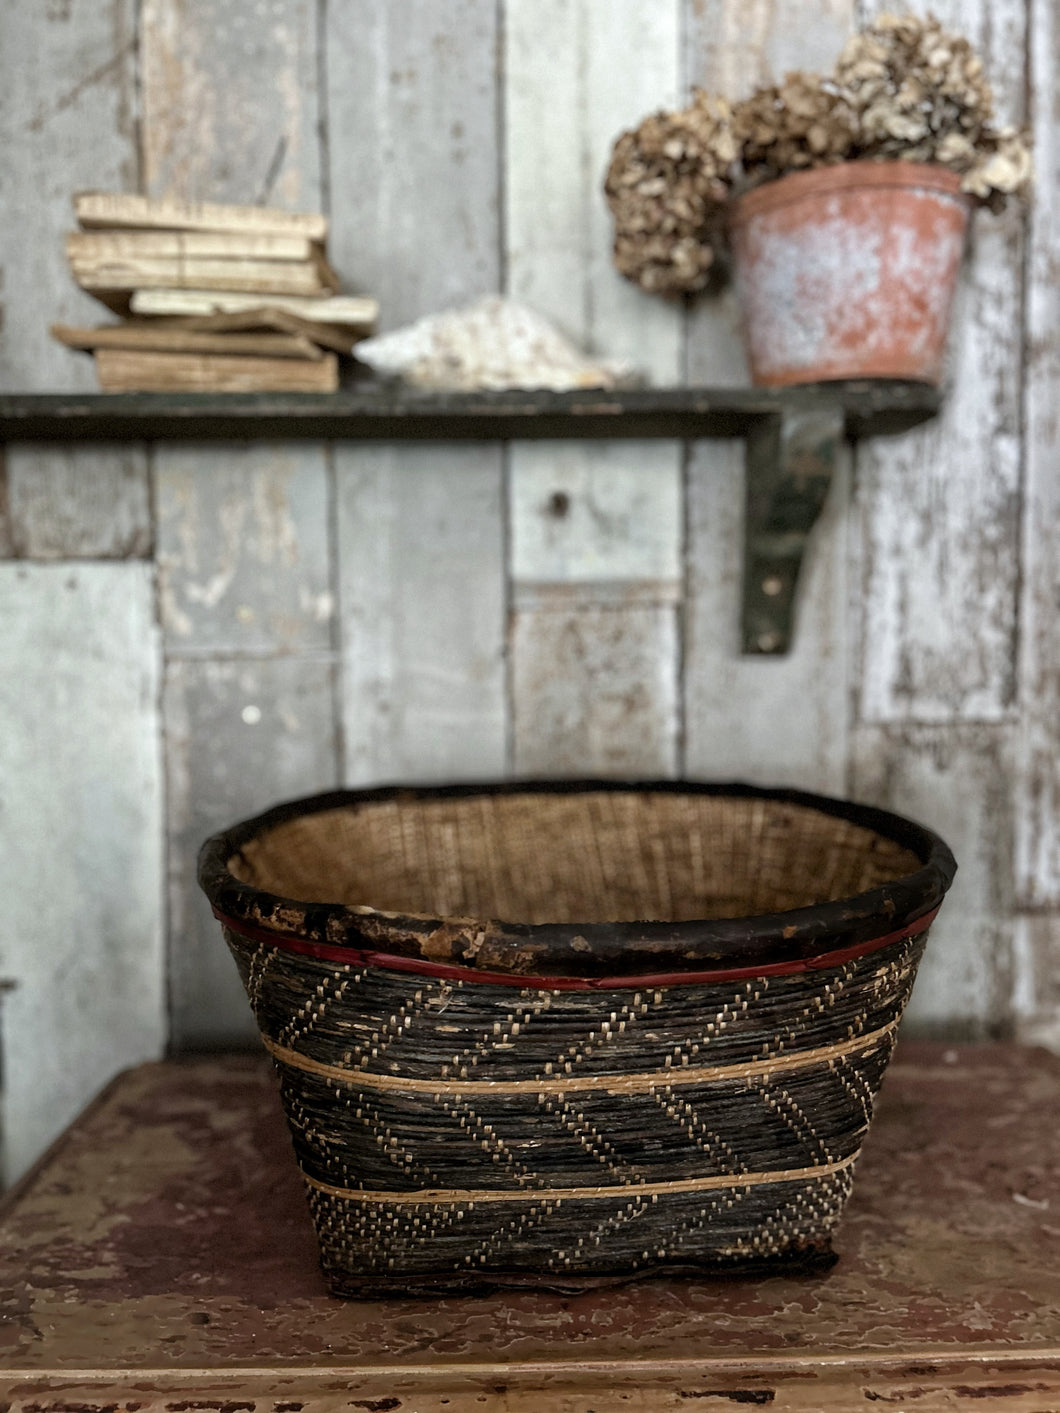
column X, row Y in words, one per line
column 556, row 1195
column 608, row 1084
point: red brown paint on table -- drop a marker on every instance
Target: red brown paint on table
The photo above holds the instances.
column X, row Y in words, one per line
column 162, row 1256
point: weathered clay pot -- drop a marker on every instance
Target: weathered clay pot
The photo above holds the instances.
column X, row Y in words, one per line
column 849, row 271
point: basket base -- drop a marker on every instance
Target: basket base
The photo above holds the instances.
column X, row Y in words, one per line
column 811, row 1259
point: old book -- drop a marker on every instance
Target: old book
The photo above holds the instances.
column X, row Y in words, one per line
column 176, row 340
column 333, row 336
column 298, row 277
column 108, row 210
column 349, row 311
column 123, row 370
column 101, row 246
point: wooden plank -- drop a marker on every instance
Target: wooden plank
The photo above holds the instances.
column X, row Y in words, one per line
column 773, row 721
column 939, row 510
column 731, row 47
column 231, row 114
column 243, row 553
column 1036, row 979
column 938, row 530
column 240, row 736
column 581, row 514
column 1038, row 794
column 6, row 543
column 958, row 781
column 422, row 612
column 1022, row 1384
column 413, row 110
column 413, row 114
column 242, row 537
column 782, row 721
column 576, row 75
column 594, row 668
column 81, row 866
column 230, row 107
column 389, row 413
column 594, row 685
column 67, row 109
column 68, row 502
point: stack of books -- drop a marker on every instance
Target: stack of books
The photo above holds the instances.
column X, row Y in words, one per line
column 213, row 298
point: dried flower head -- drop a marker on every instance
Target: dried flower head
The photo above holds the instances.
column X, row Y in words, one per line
column 918, row 93
column 904, row 88
column 912, row 84
column 803, row 122
column 666, row 186
column 1003, row 167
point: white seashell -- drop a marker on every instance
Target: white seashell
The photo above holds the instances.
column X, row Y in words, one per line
column 492, row 343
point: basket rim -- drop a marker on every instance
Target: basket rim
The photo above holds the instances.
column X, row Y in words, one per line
column 601, row 950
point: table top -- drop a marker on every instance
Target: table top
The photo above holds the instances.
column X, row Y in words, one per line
column 164, row 1246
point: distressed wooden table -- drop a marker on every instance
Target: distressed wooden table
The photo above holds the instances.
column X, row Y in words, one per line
column 160, row 1260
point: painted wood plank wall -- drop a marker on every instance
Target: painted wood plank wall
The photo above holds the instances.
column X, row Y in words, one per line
column 232, row 112
column 1037, row 779
column 770, row 720
column 82, row 846
column 68, row 109
column 595, row 529
column 81, row 830
column 414, row 117
column 307, row 615
column 937, row 525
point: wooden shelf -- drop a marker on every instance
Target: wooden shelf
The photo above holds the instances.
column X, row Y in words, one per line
column 792, row 438
column 867, row 409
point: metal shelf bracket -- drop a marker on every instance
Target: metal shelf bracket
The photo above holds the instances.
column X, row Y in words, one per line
column 790, row 461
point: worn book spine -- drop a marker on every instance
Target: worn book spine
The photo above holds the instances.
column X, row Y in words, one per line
column 191, row 272
column 97, row 246
column 334, row 336
column 171, row 340
column 346, row 310
column 122, row 370
column 96, row 209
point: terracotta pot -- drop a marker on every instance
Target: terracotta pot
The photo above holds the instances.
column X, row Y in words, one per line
column 849, row 271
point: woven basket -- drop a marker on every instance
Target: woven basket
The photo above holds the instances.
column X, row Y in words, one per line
column 574, row 1095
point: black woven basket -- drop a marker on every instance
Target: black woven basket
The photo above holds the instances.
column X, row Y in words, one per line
column 574, row 1033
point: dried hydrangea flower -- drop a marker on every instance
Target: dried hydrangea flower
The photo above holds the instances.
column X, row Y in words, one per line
column 1003, row 167
column 912, row 86
column 903, row 89
column 803, row 122
column 666, row 185
column 919, row 94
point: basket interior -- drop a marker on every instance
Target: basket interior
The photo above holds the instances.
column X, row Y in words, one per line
column 592, row 856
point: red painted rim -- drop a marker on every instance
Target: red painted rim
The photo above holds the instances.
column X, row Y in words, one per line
column 386, row 961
